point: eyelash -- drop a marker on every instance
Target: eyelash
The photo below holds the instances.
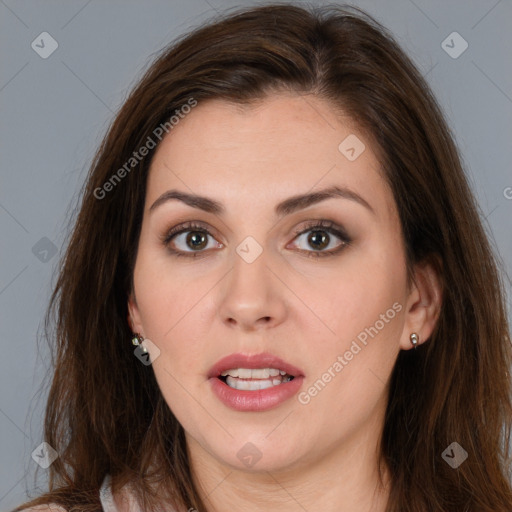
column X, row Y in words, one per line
column 322, row 225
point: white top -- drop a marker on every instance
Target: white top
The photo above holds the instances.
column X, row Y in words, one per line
column 130, row 504
column 107, row 500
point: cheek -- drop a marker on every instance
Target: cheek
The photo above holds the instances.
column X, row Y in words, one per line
column 362, row 307
column 170, row 303
column 362, row 288
column 164, row 293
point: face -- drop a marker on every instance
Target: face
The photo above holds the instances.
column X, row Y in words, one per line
column 326, row 305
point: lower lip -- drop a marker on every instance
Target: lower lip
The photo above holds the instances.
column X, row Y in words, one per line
column 257, row 400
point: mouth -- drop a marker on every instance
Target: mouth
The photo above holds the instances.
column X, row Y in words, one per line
column 253, row 372
column 254, row 383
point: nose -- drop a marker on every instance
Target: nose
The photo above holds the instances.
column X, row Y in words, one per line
column 253, row 296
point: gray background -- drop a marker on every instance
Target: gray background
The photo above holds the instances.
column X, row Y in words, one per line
column 54, row 112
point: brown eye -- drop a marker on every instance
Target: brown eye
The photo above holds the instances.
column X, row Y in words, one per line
column 318, row 235
column 189, row 240
column 196, row 239
column 318, row 239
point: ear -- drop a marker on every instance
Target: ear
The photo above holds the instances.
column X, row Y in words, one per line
column 134, row 319
column 423, row 303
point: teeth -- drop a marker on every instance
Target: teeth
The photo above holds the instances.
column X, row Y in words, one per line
column 233, row 373
column 255, row 384
column 257, row 373
column 251, row 385
column 245, row 373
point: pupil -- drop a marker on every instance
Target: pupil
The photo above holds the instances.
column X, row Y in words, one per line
column 196, row 236
column 323, row 239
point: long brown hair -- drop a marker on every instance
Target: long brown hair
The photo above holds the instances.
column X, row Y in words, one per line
column 105, row 412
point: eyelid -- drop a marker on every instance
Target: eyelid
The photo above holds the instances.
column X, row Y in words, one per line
column 185, row 226
column 322, row 223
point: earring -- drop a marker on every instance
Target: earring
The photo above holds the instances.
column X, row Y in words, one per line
column 137, row 340
column 414, row 339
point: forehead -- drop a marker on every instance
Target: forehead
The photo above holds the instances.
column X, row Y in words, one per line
column 281, row 146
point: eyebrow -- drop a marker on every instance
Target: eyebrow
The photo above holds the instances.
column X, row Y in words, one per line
column 286, row 207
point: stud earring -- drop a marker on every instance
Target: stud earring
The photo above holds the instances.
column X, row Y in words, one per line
column 414, row 339
column 137, row 340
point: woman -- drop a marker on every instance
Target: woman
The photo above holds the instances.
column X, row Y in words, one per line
column 278, row 220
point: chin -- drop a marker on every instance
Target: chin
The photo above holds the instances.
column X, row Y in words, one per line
column 260, row 455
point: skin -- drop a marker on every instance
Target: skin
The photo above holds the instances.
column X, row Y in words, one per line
column 321, row 455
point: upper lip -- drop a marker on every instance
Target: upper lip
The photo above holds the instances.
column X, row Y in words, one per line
column 264, row 360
